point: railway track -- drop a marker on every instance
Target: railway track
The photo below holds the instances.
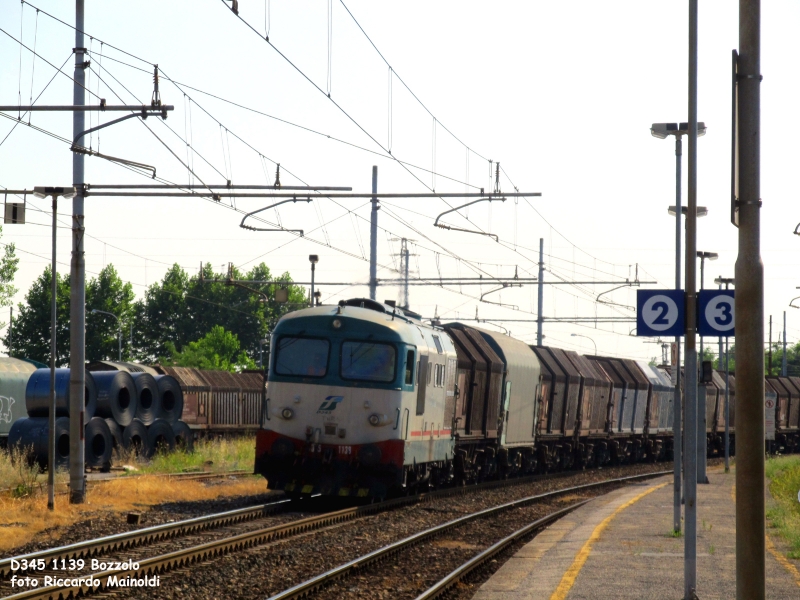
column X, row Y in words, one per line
column 187, row 557
column 380, row 556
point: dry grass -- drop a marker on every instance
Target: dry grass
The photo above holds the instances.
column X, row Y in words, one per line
column 23, row 509
column 23, row 519
column 21, row 476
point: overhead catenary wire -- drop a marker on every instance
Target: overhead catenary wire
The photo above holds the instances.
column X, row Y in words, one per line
column 336, row 104
column 64, row 139
column 33, row 60
column 37, row 99
column 296, row 125
column 22, row 45
column 467, row 153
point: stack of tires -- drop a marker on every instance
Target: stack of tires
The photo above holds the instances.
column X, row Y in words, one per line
column 132, row 411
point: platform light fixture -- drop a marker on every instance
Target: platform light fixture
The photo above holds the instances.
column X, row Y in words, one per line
column 662, row 130
column 53, row 192
column 702, row 211
column 46, row 192
column 313, row 259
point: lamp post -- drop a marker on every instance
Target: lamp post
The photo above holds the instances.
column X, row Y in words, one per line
column 66, row 193
column 119, row 329
column 701, row 399
column 703, row 256
column 313, row 259
column 662, row 131
column 727, row 281
column 261, row 343
column 588, row 338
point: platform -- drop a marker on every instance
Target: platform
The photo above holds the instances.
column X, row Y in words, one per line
column 619, row 546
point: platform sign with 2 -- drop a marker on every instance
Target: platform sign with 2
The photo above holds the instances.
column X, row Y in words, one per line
column 659, row 312
column 715, row 312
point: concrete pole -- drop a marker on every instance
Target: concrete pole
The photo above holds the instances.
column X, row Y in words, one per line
column 750, row 517
column 702, row 282
column 769, row 348
column 313, row 269
column 719, row 351
column 727, row 410
column 677, row 422
column 784, row 369
column 690, row 411
column 77, row 299
column 119, row 342
column 405, row 273
column 539, row 315
column 373, row 238
column 701, row 405
column 51, row 422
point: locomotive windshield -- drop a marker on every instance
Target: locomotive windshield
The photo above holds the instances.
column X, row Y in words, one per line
column 304, row 357
column 368, row 361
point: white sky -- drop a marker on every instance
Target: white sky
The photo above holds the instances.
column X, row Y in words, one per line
column 561, row 93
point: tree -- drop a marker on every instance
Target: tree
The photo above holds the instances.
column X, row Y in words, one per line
column 219, row 349
column 30, row 336
column 107, row 292
column 9, row 265
column 181, row 309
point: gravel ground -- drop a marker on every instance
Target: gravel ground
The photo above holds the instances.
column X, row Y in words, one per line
column 418, row 568
column 266, row 570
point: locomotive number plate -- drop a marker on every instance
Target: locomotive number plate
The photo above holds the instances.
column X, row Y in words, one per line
column 345, row 449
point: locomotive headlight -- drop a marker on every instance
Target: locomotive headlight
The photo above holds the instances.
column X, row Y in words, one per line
column 287, row 413
column 377, row 420
column 337, row 324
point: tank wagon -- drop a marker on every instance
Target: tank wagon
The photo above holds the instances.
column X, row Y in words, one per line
column 14, row 375
column 365, row 399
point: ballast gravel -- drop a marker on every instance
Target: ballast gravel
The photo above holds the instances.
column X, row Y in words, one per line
column 266, row 570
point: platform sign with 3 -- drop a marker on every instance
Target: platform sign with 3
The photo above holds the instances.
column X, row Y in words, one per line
column 715, row 312
column 659, row 312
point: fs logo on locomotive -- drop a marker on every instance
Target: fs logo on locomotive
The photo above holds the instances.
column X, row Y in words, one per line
column 329, row 404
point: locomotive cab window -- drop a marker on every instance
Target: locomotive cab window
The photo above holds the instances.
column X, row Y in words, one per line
column 409, row 368
column 368, row 361
column 302, row 357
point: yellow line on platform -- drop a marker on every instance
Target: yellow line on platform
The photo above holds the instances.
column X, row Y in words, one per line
column 568, row 580
column 782, row 560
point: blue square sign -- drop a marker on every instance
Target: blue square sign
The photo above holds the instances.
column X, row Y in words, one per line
column 660, row 312
column 715, row 313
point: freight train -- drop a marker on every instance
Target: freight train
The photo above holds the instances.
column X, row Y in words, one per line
column 365, row 399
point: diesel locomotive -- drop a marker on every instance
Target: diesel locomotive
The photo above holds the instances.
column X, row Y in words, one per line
column 365, row 399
